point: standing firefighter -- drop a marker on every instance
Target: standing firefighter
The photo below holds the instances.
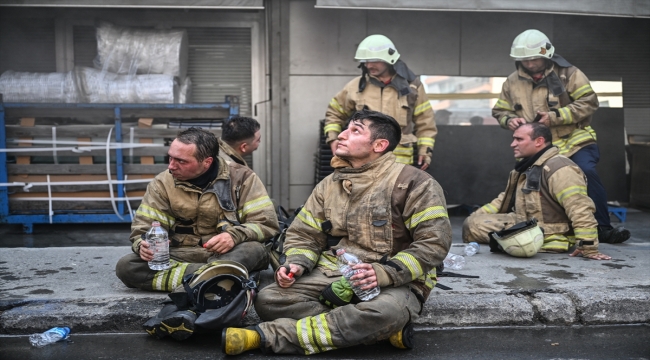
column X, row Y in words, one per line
column 547, row 88
column 386, row 85
column 393, row 216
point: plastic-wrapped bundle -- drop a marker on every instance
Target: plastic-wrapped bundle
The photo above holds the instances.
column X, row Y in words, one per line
column 185, row 92
column 101, row 87
column 38, row 87
column 124, row 50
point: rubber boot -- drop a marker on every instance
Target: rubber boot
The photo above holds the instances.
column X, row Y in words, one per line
column 179, row 324
column 613, row 235
column 403, row 339
column 235, row 341
column 152, row 326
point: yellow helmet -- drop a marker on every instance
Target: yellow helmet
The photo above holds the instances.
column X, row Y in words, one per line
column 377, row 48
column 521, row 240
column 531, row 44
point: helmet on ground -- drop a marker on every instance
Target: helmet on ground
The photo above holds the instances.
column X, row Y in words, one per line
column 521, row 240
column 531, row 44
column 377, row 48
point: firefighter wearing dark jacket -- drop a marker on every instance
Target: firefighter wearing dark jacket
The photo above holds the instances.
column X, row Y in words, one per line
column 393, row 216
column 547, row 88
column 386, row 85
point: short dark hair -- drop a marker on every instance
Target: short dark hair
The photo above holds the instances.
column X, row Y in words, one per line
column 239, row 129
column 205, row 141
column 540, row 130
column 381, row 126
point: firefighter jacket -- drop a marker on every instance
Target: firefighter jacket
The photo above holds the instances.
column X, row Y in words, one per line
column 229, row 154
column 409, row 105
column 391, row 215
column 235, row 201
column 564, row 92
column 553, row 191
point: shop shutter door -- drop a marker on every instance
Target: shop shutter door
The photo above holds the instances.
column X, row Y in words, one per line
column 27, row 46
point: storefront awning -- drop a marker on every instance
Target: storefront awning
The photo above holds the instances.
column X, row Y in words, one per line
column 154, row 4
column 618, row 8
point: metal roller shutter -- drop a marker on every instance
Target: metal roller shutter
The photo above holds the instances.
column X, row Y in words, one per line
column 27, row 46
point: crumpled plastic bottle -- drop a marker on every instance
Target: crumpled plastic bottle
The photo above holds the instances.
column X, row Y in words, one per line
column 454, row 262
column 51, row 336
column 345, row 261
column 471, row 249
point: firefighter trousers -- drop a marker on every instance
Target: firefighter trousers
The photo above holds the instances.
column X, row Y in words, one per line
column 477, row 226
column 135, row 273
column 297, row 323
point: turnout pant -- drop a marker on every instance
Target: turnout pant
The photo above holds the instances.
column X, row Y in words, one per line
column 297, row 323
column 135, row 273
column 587, row 158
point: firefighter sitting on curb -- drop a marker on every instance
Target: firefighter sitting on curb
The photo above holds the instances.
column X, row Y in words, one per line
column 546, row 186
column 213, row 211
column 387, row 85
column 240, row 136
column 391, row 215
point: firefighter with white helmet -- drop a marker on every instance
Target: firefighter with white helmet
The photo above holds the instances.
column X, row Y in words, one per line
column 546, row 88
column 546, row 191
column 387, row 85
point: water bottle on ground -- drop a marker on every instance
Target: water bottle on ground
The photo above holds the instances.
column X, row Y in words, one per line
column 345, row 261
column 471, row 249
column 159, row 244
column 454, row 262
column 51, row 336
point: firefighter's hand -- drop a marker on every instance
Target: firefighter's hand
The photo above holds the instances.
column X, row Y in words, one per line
column 596, row 256
column 220, row 244
column 145, row 253
column 514, row 123
column 286, row 275
column 545, row 119
column 424, row 161
column 333, row 146
column 366, row 279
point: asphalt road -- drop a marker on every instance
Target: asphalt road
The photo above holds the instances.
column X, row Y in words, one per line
column 593, row 342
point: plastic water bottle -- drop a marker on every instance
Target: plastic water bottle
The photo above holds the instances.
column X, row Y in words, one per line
column 159, row 244
column 345, row 262
column 471, row 249
column 51, row 336
column 454, row 262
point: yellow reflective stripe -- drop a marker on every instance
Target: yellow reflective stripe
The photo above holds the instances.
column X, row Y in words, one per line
column 306, row 217
column 176, row 276
column 566, row 115
column 411, row 263
column 305, row 337
column 324, row 337
column 586, row 233
column 591, row 132
column 256, row 204
column 336, row 106
column 504, row 121
column 581, row 91
column 570, row 191
column 167, row 280
column 577, row 137
column 403, row 150
column 151, row 213
column 257, row 229
column 306, row 253
column 426, row 141
column 408, row 160
column 332, row 127
column 422, row 108
column 433, row 212
column 502, row 104
column 490, row 209
column 430, row 279
column 328, row 261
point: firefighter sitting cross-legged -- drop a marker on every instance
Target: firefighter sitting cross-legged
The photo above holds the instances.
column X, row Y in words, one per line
column 391, row 215
column 545, row 186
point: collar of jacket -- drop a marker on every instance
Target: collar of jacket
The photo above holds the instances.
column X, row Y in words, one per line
column 224, row 173
column 552, row 151
column 400, row 81
column 523, row 74
column 344, row 170
column 225, row 147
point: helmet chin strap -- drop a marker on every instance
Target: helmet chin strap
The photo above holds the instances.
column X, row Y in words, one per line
column 363, row 81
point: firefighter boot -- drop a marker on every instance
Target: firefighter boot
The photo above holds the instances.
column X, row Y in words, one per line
column 152, row 326
column 613, row 235
column 403, row 339
column 179, row 324
column 235, row 341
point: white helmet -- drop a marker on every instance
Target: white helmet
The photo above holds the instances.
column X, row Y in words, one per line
column 521, row 240
column 377, row 48
column 531, row 44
